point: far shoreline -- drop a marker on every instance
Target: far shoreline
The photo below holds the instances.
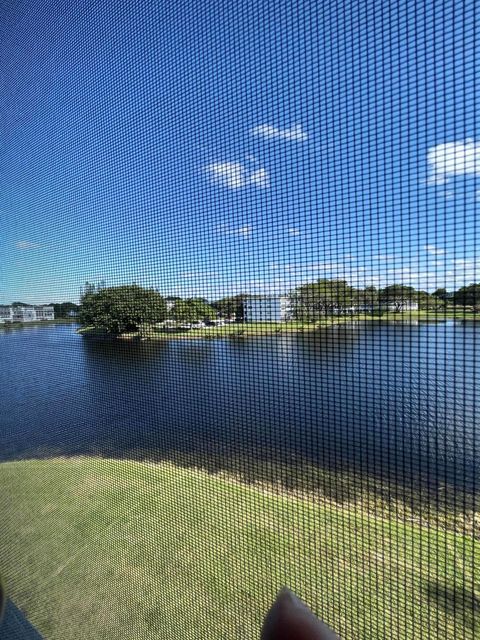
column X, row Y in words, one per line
column 250, row 329
column 36, row 323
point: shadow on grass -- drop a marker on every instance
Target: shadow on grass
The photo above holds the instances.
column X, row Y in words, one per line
column 414, row 500
column 15, row 625
column 459, row 602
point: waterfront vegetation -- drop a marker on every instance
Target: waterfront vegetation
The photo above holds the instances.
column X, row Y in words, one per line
column 131, row 311
column 108, row 532
column 246, row 329
column 36, row 323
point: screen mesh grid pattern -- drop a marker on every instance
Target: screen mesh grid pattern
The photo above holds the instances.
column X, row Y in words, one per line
column 239, row 317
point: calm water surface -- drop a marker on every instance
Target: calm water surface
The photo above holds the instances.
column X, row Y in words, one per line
column 398, row 400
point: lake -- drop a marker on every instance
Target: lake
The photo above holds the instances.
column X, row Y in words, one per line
column 397, row 400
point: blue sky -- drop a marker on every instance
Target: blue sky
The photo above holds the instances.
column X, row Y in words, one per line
column 213, row 148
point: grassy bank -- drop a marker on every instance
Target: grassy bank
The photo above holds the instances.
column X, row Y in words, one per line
column 233, row 330
column 242, row 330
column 101, row 549
column 37, row 323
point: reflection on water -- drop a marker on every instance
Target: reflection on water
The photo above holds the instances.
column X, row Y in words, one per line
column 393, row 399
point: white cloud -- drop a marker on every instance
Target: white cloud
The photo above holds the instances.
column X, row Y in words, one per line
column 244, row 232
column 451, row 159
column 228, row 174
column 407, row 276
column 281, row 278
column 294, row 232
column 295, row 133
column 433, row 250
column 466, row 270
column 464, row 262
column 234, row 175
column 260, row 178
column 26, row 245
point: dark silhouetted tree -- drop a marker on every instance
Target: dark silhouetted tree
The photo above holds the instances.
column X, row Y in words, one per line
column 121, row 309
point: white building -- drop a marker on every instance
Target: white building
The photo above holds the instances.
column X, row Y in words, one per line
column 267, row 309
column 6, row 313
column 34, row 313
column 399, row 306
column 44, row 312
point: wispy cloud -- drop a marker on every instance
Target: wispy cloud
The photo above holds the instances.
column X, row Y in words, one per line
column 433, row 250
column 235, row 175
column 281, row 278
column 407, row 275
column 450, row 159
column 294, row 232
column 295, row 133
column 260, row 178
column 244, row 231
column 26, row 245
column 464, row 262
column 228, row 174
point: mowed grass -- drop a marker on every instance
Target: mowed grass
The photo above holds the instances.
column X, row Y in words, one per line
column 265, row 328
column 240, row 329
column 246, row 329
column 98, row 549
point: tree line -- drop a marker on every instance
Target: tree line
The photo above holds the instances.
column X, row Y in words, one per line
column 126, row 308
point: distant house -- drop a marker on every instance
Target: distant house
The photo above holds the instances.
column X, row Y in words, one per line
column 267, row 309
column 6, row 313
column 364, row 308
column 399, row 306
column 44, row 312
column 23, row 313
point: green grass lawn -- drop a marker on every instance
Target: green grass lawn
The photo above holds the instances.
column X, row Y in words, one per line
column 242, row 330
column 104, row 549
column 246, row 329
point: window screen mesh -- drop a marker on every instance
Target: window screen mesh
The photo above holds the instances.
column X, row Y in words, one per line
column 238, row 317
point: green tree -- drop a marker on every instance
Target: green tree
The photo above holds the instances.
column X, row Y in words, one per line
column 311, row 301
column 121, row 309
column 370, row 294
column 440, row 294
column 63, row 309
column 468, row 296
column 367, row 297
column 426, row 301
column 91, row 287
column 396, row 295
column 231, row 306
column 192, row 310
